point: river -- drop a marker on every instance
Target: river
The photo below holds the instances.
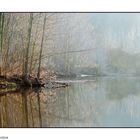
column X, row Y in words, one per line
column 90, row 102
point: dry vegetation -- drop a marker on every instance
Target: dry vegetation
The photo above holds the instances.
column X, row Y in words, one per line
column 22, row 40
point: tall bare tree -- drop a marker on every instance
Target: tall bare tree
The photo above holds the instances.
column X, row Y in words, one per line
column 41, row 47
column 1, row 39
column 28, row 44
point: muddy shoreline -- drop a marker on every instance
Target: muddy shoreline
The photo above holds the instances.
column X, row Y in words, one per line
column 16, row 82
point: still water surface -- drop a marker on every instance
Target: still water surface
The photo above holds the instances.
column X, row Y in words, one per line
column 100, row 102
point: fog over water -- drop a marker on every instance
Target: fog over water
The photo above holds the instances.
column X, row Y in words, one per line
column 112, row 41
column 94, row 57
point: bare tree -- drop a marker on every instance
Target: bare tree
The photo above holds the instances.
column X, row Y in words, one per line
column 28, row 44
column 41, row 47
column 1, row 39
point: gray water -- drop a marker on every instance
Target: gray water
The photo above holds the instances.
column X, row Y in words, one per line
column 99, row 102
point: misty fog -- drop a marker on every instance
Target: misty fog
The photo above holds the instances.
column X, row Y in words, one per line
column 69, row 69
column 110, row 44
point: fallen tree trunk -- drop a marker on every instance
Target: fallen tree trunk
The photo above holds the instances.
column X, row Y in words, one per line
column 54, row 84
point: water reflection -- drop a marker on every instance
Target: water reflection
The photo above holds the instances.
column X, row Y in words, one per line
column 105, row 102
column 21, row 109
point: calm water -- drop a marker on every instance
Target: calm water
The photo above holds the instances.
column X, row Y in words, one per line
column 100, row 102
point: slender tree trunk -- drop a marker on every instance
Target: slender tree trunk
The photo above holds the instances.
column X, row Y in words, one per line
column 8, row 32
column 33, row 47
column 28, row 44
column 0, row 45
column 1, row 39
column 32, row 55
column 41, row 48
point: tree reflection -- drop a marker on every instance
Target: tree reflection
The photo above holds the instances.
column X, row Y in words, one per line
column 21, row 109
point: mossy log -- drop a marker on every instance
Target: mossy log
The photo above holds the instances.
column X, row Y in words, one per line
column 7, row 90
column 6, row 84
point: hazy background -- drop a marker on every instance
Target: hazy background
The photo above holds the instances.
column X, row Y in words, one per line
column 75, row 43
column 112, row 41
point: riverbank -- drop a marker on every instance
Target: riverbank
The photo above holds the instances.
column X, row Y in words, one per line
column 16, row 81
